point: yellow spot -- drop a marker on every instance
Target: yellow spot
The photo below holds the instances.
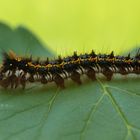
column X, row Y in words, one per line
column 30, row 64
column 18, row 59
column 128, row 61
column 49, row 66
column 37, row 66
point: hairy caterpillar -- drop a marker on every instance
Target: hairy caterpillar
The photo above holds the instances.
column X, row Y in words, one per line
column 17, row 70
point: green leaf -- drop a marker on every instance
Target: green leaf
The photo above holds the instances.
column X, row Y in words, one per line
column 97, row 110
column 21, row 41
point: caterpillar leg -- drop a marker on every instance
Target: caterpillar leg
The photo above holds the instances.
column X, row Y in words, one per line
column 14, row 82
column 44, row 80
column 91, row 74
column 59, row 81
column 31, row 79
column 107, row 73
column 5, row 83
column 1, row 76
column 123, row 71
column 23, row 81
column 75, row 76
column 136, row 70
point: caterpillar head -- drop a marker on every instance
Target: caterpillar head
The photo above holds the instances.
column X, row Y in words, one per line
column 9, row 61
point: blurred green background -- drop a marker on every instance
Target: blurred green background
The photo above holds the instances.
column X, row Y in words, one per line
column 82, row 25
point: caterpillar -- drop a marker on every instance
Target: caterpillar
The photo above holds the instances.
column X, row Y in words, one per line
column 17, row 71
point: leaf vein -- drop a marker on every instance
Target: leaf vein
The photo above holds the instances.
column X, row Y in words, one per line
column 118, row 109
column 90, row 116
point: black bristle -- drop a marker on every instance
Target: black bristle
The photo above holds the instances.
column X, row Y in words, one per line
column 111, row 55
column 128, row 57
column 75, row 56
column 92, row 54
column 137, row 56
